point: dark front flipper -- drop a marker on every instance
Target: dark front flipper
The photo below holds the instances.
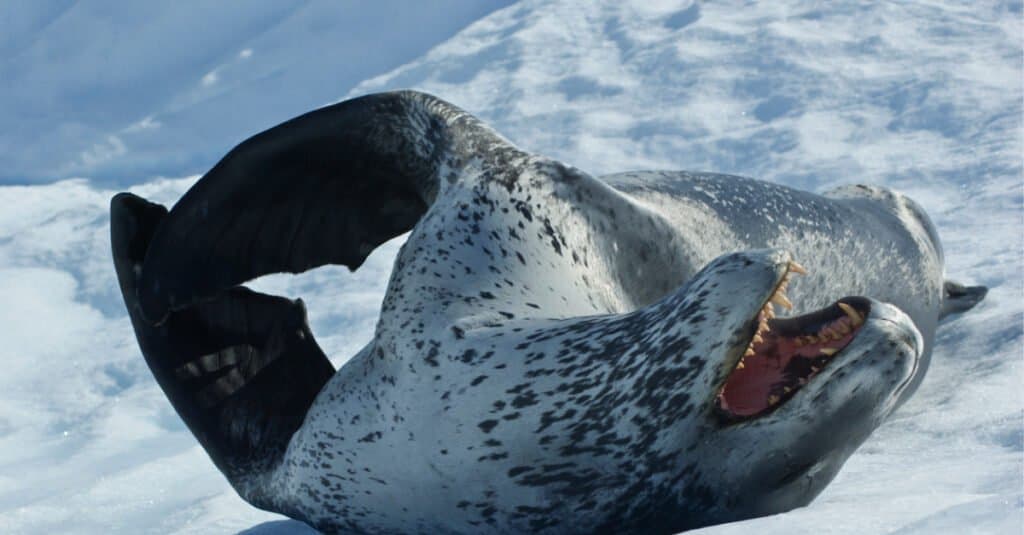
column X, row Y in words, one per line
column 241, row 369
column 959, row 298
column 324, row 188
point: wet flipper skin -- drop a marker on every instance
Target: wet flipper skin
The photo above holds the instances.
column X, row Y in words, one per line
column 241, row 369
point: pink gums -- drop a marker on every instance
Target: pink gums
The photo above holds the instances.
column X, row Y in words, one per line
column 747, row 391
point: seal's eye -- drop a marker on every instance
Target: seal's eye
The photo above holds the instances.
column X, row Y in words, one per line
column 785, row 353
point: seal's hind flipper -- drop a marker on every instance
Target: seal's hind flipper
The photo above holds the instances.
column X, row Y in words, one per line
column 959, row 298
column 241, row 369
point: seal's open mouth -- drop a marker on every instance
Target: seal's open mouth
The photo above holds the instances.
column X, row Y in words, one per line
column 785, row 353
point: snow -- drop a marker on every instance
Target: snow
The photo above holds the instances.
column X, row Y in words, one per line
column 120, row 91
column 924, row 96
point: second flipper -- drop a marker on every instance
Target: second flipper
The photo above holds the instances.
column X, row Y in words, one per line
column 241, row 369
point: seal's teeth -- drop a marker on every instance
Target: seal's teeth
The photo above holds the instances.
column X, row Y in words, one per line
column 814, row 369
column 757, row 339
column 779, row 299
column 749, row 352
column 798, row 341
column 854, row 316
column 829, row 351
column 773, row 399
column 740, row 365
column 787, row 389
column 796, row 268
column 843, row 329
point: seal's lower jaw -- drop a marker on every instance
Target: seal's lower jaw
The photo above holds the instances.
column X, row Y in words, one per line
column 784, row 354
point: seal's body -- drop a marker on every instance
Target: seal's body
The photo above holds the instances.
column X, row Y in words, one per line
column 555, row 352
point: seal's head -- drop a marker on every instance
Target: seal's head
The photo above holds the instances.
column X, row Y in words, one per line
column 791, row 398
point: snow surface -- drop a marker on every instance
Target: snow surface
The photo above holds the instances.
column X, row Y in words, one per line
column 924, row 96
column 119, row 91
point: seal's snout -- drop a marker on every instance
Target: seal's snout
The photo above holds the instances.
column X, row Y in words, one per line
column 898, row 324
column 785, row 355
column 901, row 340
column 777, row 356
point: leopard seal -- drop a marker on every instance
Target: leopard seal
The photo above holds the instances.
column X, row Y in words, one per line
column 555, row 353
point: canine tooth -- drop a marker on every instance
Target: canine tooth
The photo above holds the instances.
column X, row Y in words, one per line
column 797, row 268
column 829, row 351
column 781, row 300
column 773, row 399
column 855, row 317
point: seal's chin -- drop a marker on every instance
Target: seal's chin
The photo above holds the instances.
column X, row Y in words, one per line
column 784, row 354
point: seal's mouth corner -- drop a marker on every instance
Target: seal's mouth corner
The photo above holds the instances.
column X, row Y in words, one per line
column 784, row 354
